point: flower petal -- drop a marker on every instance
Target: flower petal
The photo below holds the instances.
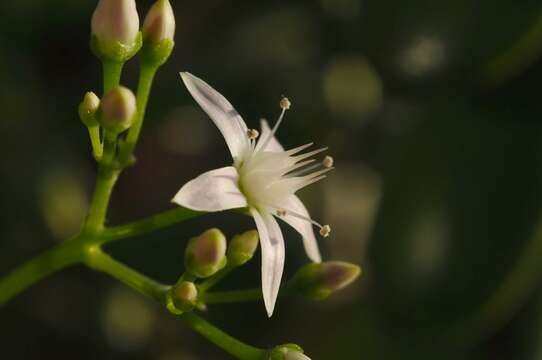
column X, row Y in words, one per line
column 213, row 190
column 305, row 228
column 273, row 145
column 272, row 245
column 225, row 117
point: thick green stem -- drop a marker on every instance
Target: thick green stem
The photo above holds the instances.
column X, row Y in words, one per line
column 101, row 261
column 146, row 77
column 43, row 265
column 107, row 177
column 153, row 223
column 112, row 71
column 224, row 341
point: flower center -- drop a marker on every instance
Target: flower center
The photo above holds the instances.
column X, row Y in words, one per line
column 268, row 178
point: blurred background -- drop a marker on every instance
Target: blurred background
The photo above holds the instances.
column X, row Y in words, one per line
column 431, row 109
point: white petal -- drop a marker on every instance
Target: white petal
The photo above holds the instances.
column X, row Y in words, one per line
column 305, row 228
column 214, row 190
column 273, row 145
column 272, row 245
column 225, row 117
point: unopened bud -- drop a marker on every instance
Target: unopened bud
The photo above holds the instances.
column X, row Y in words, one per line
column 295, row 355
column 117, row 110
column 206, row 253
column 115, row 30
column 159, row 23
column 242, row 247
column 185, row 296
column 287, row 352
column 318, row 281
column 88, row 108
column 158, row 32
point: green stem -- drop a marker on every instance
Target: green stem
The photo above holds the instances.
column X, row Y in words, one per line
column 152, row 223
column 112, row 71
column 41, row 266
column 215, row 279
column 221, row 339
column 101, row 261
column 97, row 149
column 106, row 179
column 146, row 77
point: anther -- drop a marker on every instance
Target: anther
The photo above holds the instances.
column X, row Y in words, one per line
column 252, row 134
column 325, row 230
column 285, row 103
column 327, row 162
column 281, row 212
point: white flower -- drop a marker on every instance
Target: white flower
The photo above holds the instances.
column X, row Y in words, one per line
column 264, row 178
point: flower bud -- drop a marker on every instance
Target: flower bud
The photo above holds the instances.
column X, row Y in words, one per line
column 117, row 110
column 115, row 30
column 206, row 253
column 287, row 352
column 185, row 296
column 159, row 23
column 318, row 281
column 242, row 247
column 158, row 31
column 88, row 108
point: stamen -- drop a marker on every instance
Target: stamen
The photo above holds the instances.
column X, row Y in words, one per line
column 327, row 162
column 309, row 154
column 281, row 212
column 252, row 134
column 325, row 230
column 285, row 103
column 298, row 149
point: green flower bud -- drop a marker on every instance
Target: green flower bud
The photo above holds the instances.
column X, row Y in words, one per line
column 158, row 31
column 318, row 281
column 117, row 110
column 88, row 108
column 242, row 247
column 287, row 352
column 115, row 30
column 184, row 296
column 206, row 254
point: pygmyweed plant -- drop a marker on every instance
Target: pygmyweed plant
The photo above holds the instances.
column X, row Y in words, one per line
column 263, row 181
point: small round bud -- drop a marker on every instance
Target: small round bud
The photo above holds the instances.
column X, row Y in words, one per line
column 242, row 247
column 295, row 355
column 327, row 162
column 206, row 253
column 115, row 30
column 184, row 295
column 285, row 103
column 159, row 23
column 117, row 110
column 287, row 352
column 88, row 108
column 325, row 230
column 252, row 134
column 318, row 281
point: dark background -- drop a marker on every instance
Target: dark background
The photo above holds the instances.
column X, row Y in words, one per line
column 431, row 109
